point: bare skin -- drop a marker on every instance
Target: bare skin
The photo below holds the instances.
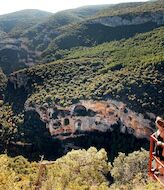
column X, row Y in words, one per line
column 160, row 126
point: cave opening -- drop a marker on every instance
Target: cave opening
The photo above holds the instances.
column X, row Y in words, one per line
column 113, row 142
column 66, row 121
column 78, row 124
column 79, row 110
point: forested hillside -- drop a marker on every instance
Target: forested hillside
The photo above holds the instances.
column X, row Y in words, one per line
column 3, row 80
column 128, row 8
column 113, row 23
column 79, row 170
column 40, row 36
column 37, row 40
column 16, row 23
column 128, row 70
column 80, row 78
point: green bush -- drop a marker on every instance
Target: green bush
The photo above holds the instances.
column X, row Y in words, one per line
column 79, row 170
column 126, row 168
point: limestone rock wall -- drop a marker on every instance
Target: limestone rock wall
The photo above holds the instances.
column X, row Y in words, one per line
column 93, row 116
column 133, row 19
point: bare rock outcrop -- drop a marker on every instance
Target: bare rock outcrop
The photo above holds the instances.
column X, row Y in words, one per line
column 88, row 116
column 15, row 55
column 133, row 19
column 19, row 79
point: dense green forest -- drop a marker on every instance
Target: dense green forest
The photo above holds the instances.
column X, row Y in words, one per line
column 89, row 33
column 79, row 170
column 128, row 70
column 74, row 28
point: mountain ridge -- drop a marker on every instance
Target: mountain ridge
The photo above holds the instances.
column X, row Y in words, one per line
column 21, row 20
column 75, row 27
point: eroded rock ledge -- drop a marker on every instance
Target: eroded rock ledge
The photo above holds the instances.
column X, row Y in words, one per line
column 90, row 116
column 135, row 19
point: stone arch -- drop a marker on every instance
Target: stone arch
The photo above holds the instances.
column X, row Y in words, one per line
column 79, row 110
column 78, row 124
column 56, row 124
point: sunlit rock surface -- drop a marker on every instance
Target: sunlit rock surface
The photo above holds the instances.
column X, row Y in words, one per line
column 135, row 19
column 88, row 116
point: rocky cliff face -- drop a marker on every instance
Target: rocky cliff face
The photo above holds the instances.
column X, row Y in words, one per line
column 109, row 124
column 132, row 19
column 88, row 116
column 18, row 80
column 15, row 55
column 52, row 131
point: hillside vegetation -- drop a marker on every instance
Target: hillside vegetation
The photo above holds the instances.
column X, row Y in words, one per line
column 3, row 82
column 49, row 62
column 15, row 23
column 91, row 34
column 93, row 31
column 41, row 35
column 78, row 170
column 128, row 70
column 33, row 39
column 132, row 8
column 76, row 27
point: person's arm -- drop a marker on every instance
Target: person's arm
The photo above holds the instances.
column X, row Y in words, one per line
column 160, row 143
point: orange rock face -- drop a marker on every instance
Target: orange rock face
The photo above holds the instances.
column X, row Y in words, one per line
column 94, row 116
